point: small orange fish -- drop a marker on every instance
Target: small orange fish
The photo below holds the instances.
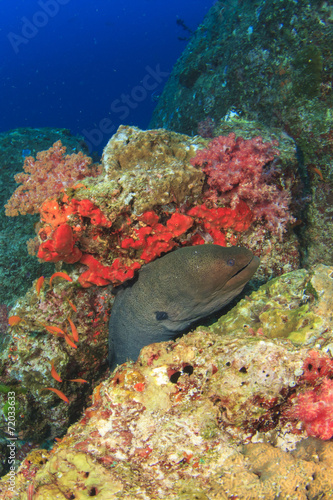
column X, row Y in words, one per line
column 316, row 170
column 54, row 374
column 70, row 342
column 14, row 320
column 80, row 380
column 73, row 306
column 74, row 330
column 60, row 275
column 57, row 392
column 54, row 330
column 39, row 284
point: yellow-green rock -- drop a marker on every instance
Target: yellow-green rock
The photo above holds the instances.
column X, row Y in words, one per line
column 285, row 307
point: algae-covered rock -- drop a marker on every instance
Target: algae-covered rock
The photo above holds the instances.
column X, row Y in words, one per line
column 145, row 169
column 82, row 471
column 206, row 416
column 317, row 236
column 294, row 306
column 267, row 61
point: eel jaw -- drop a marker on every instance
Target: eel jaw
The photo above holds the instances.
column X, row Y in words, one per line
column 243, row 275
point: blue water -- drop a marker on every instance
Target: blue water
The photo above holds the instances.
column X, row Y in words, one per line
column 89, row 65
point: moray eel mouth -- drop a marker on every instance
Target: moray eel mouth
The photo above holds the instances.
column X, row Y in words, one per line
column 243, row 274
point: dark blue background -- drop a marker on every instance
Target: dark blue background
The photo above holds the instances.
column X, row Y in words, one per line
column 66, row 64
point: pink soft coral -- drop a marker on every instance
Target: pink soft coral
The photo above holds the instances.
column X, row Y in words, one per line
column 46, row 176
column 317, row 366
column 315, row 409
column 235, row 172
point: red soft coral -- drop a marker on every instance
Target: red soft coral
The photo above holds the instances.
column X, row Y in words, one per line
column 46, row 176
column 60, row 246
column 58, row 237
column 100, row 275
column 155, row 238
column 315, row 409
column 317, row 366
column 234, row 169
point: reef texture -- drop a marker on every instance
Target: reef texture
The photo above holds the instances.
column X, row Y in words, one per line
column 37, row 340
column 17, row 268
column 270, row 62
column 317, row 235
column 221, row 413
column 160, row 190
column 150, row 195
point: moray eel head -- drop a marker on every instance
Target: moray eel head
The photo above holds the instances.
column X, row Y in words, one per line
column 173, row 292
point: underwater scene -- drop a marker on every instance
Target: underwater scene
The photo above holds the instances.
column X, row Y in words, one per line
column 166, row 250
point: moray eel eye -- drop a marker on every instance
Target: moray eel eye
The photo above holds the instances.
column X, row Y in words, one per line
column 160, row 315
column 231, row 262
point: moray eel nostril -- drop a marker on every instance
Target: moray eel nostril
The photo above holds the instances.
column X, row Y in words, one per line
column 173, row 292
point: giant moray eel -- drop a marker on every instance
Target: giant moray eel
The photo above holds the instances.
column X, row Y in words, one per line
column 173, row 292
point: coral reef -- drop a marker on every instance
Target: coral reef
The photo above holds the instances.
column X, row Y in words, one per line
column 149, row 200
column 209, row 415
column 17, row 268
column 268, row 62
column 30, row 346
column 44, row 177
column 235, row 174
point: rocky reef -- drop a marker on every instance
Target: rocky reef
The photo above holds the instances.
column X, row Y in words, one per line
column 174, row 423
column 269, row 62
column 18, row 268
column 152, row 196
column 242, row 406
column 98, row 226
column 217, row 413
